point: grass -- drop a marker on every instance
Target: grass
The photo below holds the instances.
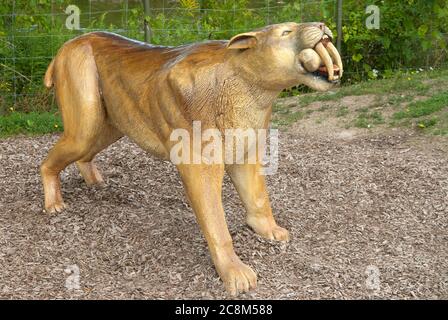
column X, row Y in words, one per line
column 397, row 100
column 408, row 100
column 342, row 112
column 423, row 108
column 287, row 118
column 401, row 82
column 32, row 123
column 429, row 115
column 426, row 123
column 368, row 119
column 323, row 108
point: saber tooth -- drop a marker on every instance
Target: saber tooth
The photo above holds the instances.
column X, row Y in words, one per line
column 323, row 53
column 336, row 57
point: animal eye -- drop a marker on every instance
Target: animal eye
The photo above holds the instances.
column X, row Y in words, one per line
column 286, row 32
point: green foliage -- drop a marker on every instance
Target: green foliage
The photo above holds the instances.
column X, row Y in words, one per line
column 426, row 113
column 342, row 112
column 367, row 119
column 26, row 49
column 288, row 117
column 422, row 108
column 412, row 34
column 194, row 20
column 426, row 123
column 29, row 123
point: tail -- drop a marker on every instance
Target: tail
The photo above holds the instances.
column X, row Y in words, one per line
column 48, row 79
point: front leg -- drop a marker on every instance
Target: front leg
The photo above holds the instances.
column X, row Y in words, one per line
column 203, row 184
column 251, row 187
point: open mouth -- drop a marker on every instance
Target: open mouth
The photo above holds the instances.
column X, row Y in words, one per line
column 322, row 72
column 323, row 61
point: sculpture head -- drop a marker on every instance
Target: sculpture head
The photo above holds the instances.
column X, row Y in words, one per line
column 288, row 54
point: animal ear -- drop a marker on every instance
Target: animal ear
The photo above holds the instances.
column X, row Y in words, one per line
column 243, row 41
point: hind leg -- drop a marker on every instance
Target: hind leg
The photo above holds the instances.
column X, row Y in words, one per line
column 66, row 151
column 87, row 166
column 78, row 97
column 90, row 173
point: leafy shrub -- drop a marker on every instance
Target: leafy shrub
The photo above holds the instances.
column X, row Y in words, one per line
column 412, row 34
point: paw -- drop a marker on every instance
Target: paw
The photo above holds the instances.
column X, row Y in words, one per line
column 97, row 184
column 278, row 233
column 95, row 181
column 90, row 173
column 237, row 277
column 54, row 208
column 267, row 229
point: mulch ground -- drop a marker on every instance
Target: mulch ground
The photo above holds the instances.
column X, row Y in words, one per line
column 352, row 205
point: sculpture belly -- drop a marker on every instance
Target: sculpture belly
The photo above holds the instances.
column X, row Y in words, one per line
column 127, row 115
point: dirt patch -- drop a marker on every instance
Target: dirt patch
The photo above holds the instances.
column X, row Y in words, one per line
column 351, row 204
column 328, row 118
column 351, row 116
column 354, row 102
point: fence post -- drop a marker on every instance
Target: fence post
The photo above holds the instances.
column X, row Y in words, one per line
column 339, row 26
column 147, row 9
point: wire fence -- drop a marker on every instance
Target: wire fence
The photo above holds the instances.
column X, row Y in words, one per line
column 31, row 32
